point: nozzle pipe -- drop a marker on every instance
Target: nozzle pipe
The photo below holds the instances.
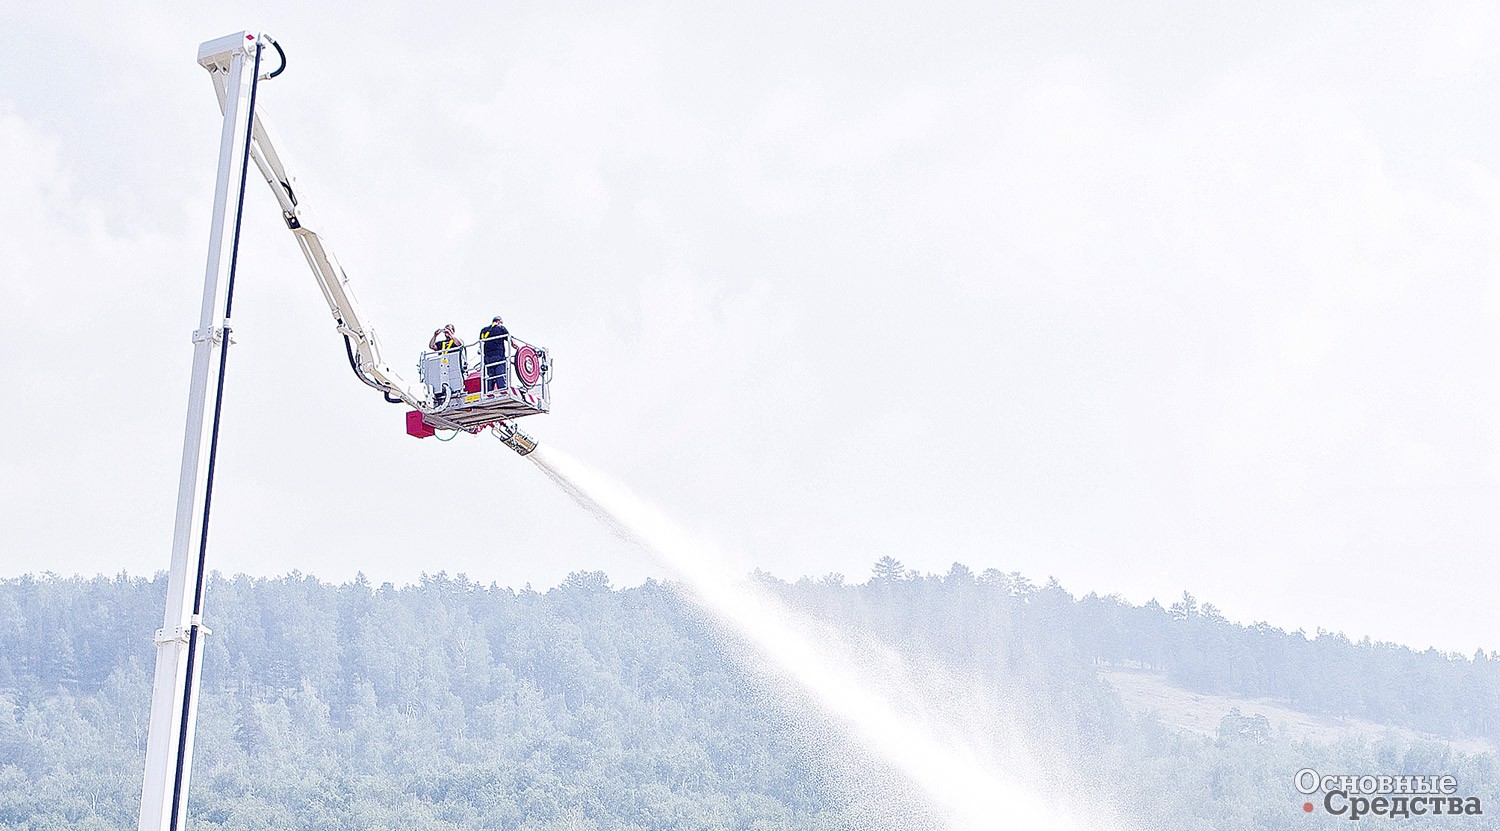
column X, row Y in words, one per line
column 512, row 437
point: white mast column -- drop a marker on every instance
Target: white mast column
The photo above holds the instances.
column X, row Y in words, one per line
column 179, row 643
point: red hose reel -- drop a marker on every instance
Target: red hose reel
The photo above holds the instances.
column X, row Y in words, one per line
column 528, row 365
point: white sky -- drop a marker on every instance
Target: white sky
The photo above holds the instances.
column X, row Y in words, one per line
column 1148, row 296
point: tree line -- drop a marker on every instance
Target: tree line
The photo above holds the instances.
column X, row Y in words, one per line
column 450, row 704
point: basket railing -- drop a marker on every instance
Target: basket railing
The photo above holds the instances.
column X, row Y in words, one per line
column 491, row 369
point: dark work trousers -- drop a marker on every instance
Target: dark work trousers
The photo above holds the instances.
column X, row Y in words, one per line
column 494, row 368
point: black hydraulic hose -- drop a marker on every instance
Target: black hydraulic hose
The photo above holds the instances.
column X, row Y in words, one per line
column 279, row 51
column 213, row 455
column 349, row 350
column 354, row 365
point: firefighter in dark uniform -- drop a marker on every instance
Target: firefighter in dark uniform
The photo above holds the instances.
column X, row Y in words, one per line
column 493, row 340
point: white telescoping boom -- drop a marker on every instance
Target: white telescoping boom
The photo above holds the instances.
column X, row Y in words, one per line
column 235, row 64
column 266, row 152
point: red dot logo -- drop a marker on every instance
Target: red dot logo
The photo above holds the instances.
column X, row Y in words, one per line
column 1307, row 807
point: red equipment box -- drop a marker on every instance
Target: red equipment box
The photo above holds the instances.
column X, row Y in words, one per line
column 417, row 426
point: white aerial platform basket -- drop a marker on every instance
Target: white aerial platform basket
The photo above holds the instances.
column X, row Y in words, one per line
column 469, row 394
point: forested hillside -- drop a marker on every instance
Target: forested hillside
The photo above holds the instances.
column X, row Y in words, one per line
column 1193, row 643
column 450, row 704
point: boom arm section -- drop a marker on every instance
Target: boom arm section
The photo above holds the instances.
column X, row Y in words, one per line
column 359, row 336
